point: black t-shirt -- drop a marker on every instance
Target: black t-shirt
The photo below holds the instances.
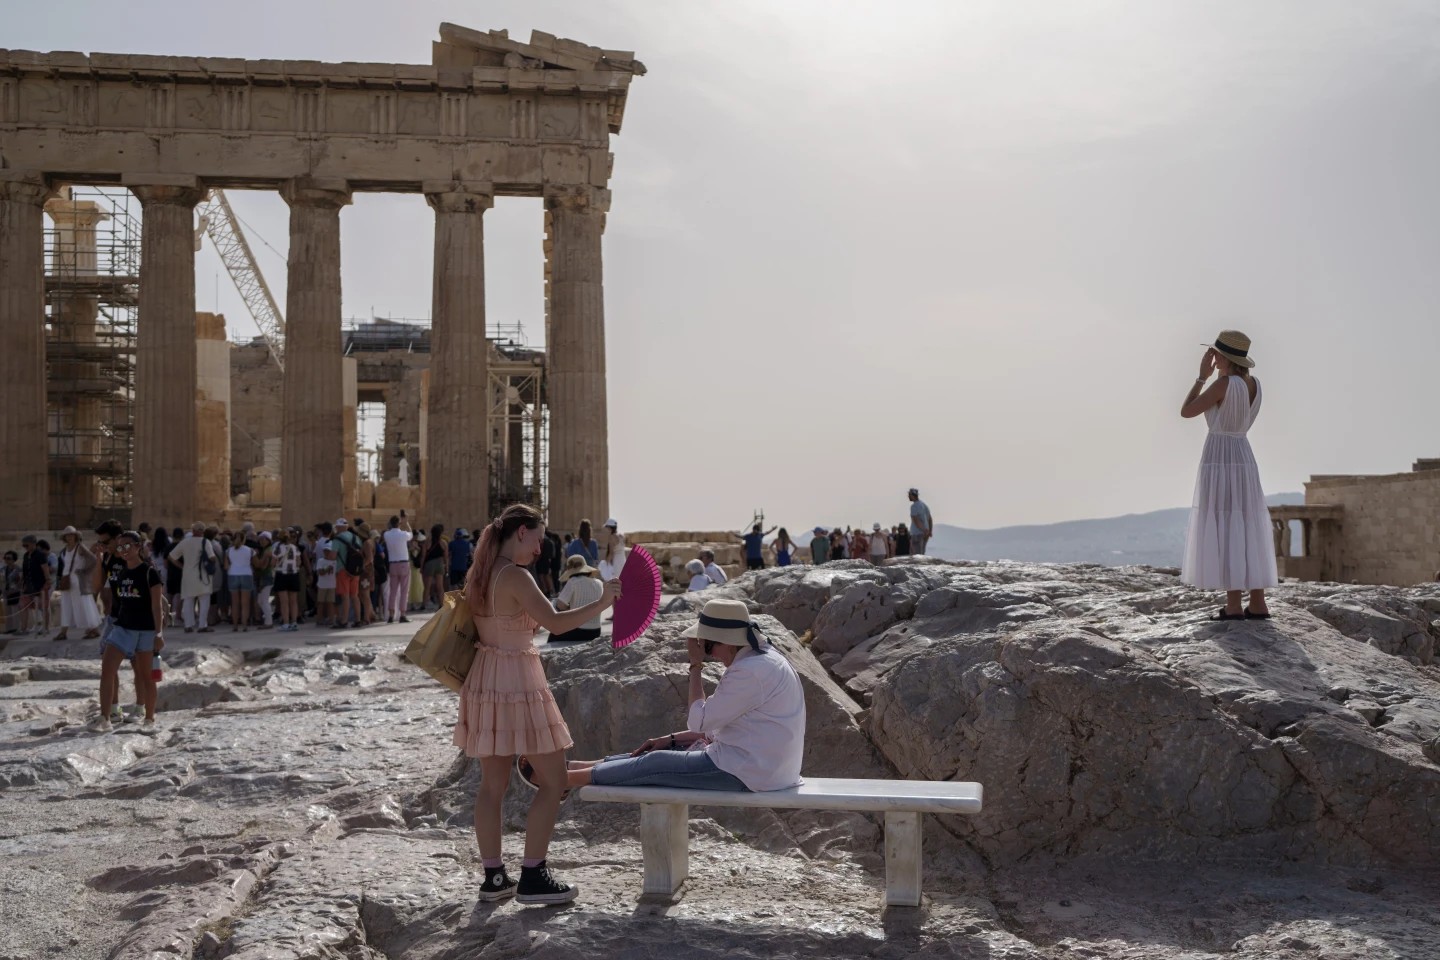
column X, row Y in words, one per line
column 902, row 543
column 130, row 596
column 32, row 571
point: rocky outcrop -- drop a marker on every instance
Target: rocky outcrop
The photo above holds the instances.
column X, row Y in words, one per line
column 1105, row 712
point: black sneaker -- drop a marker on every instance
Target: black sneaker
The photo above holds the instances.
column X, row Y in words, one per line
column 538, row 885
column 497, row 885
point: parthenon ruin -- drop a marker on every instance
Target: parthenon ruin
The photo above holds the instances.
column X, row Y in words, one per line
column 488, row 117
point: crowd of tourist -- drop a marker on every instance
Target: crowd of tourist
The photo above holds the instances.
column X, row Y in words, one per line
column 342, row 574
column 826, row 545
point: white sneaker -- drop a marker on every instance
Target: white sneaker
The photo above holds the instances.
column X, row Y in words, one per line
column 148, row 728
column 100, row 726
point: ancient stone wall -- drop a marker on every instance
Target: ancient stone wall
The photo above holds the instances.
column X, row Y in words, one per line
column 1390, row 531
column 255, row 393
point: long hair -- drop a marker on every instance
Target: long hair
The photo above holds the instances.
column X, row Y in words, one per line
column 584, row 532
column 487, row 551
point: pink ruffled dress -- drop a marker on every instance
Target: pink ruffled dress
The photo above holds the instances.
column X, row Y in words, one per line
column 506, row 707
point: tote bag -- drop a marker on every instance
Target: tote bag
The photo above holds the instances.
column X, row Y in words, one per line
column 445, row 646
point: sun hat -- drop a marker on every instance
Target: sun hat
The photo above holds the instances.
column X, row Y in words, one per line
column 69, row 531
column 727, row 622
column 575, row 566
column 1233, row 346
column 877, row 528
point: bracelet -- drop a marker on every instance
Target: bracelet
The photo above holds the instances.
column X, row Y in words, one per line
column 672, row 741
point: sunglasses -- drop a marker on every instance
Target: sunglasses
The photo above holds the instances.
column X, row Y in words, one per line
column 123, row 547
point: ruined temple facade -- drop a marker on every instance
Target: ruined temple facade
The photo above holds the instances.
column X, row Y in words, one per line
column 489, row 116
column 1374, row 528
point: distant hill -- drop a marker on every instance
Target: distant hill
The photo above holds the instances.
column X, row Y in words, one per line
column 1156, row 539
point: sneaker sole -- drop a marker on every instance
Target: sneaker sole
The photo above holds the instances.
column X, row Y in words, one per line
column 492, row 897
column 550, row 898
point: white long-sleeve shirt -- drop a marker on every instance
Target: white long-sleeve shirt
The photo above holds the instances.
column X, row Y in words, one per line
column 755, row 721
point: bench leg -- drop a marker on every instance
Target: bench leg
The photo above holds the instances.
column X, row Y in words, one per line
column 665, row 844
column 902, row 859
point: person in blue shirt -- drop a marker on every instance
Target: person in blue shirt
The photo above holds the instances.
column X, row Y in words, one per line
column 584, row 546
column 461, row 550
column 755, row 546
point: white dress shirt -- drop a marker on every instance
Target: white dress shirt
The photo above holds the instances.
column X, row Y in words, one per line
column 580, row 590
column 715, row 574
column 755, row 721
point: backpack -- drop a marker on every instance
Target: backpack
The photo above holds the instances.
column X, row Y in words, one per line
column 354, row 559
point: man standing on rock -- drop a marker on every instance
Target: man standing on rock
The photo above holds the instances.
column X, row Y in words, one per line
column 755, row 546
column 819, row 547
column 922, row 526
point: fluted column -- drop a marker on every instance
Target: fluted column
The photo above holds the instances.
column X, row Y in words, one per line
column 579, row 431
column 457, row 488
column 312, row 451
column 166, row 466
column 24, row 445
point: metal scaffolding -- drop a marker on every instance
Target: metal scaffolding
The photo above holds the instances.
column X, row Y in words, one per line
column 92, row 286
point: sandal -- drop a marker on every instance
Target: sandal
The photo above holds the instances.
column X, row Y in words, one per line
column 1255, row 616
column 1222, row 615
column 526, row 773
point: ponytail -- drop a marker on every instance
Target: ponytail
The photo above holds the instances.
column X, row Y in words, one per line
column 487, row 552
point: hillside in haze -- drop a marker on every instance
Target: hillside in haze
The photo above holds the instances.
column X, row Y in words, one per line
column 1157, row 539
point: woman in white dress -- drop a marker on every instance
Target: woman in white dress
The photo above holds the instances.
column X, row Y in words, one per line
column 612, row 555
column 1230, row 545
column 76, row 587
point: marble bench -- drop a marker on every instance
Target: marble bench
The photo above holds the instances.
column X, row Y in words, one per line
column 665, row 821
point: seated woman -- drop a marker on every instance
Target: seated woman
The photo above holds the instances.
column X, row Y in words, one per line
column 747, row 735
column 580, row 589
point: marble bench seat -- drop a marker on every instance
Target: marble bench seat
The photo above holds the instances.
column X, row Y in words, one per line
column 665, row 818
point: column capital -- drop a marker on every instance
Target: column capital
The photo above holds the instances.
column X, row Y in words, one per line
column 24, row 186
column 329, row 194
column 577, row 199
column 459, row 196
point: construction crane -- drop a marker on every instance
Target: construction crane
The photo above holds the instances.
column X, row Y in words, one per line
column 218, row 221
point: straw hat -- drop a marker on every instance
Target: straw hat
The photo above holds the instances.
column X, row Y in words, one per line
column 1235, row 347
column 728, row 622
column 576, row 566
column 69, row 532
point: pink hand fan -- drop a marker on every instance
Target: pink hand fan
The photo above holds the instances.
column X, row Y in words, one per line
column 639, row 598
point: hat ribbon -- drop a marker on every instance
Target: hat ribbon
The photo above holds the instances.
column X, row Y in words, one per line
column 722, row 623
column 1232, row 351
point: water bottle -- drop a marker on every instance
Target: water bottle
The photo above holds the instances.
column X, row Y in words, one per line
column 157, row 669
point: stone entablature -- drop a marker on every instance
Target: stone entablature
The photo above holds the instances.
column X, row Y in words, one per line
column 518, row 116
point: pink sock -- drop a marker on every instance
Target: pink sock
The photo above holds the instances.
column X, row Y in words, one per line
column 532, row 862
column 492, row 863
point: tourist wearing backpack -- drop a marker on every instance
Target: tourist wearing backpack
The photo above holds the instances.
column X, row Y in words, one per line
column 350, row 561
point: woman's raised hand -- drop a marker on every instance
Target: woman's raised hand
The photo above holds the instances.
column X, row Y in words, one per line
column 611, row 592
column 1207, row 363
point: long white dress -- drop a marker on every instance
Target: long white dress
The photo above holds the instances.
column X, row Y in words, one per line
column 1230, row 544
column 77, row 605
column 610, row 569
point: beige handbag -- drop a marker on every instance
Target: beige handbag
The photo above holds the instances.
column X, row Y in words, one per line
column 445, row 646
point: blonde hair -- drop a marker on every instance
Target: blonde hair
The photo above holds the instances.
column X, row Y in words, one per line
column 487, row 551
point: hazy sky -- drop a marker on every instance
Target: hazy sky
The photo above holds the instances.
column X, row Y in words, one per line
column 972, row 247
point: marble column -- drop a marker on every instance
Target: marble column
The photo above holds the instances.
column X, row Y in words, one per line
column 575, row 379
column 457, row 485
column 24, row 444
column 312, row 452
column 166, row 472
column 212, row 412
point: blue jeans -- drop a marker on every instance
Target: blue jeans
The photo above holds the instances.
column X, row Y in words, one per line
column 686, row 769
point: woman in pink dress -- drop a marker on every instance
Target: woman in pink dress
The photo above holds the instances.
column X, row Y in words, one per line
column 506, row 708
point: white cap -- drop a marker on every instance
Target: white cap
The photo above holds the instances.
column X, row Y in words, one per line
column 342, row 522
column 612, row 523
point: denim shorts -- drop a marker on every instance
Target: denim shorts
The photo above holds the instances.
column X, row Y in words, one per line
column 240, row 581
column 685, row 769
column 131, row 642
